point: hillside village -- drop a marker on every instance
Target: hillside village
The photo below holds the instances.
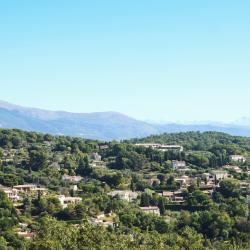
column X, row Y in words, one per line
column 72, row 179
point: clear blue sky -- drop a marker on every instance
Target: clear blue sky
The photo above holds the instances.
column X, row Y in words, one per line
column 161, row 60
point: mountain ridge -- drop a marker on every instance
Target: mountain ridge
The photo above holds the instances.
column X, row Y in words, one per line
column 108, row 125
column 97, row 125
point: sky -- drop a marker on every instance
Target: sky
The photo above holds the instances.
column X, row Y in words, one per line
column 156, row 60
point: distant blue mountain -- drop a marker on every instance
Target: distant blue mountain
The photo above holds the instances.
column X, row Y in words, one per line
column 232, row 129
column 99, row 125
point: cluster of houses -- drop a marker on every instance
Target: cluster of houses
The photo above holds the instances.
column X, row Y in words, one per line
column 207, row 182
column 17, row 193
column 130, row 196
column 11, row 155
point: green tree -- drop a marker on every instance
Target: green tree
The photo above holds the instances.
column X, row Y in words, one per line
column 162, row 206
column 84, row 168
column 145, row 200
column 229, row 188
column 38, row 160
column 3, row 243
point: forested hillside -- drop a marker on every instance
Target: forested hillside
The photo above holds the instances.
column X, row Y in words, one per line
column 199, row 141
column 173, row 191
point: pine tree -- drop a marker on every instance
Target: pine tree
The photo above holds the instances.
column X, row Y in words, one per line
column 162, row 207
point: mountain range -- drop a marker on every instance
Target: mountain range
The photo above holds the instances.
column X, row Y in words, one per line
column 100, row 125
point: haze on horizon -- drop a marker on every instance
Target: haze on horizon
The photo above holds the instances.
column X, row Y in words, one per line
column 152, row 60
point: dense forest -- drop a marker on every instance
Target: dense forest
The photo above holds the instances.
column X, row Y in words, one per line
column 60, row 192
column 200, row 141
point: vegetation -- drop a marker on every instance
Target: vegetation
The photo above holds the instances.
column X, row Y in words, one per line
column 193, row 219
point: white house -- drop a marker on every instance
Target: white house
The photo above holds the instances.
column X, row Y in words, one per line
column 151, row 210
column 71, row 178
column 237, row 158
column 124, row 195
column 178, row 164
column 30, row 188
column 101, row 222
column 11, row 193
column 95, row 156
column 183, row 180
column 65, row 201
column 219, row 174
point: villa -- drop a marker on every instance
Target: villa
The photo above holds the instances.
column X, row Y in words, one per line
column 124, row 195
column 151, row 210
column 71, row 178
column 219, row 174
column 65, row 201
column 11, row 193
column 29, row 188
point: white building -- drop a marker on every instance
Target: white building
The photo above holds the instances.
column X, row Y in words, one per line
column 176, row 197
column 98, row 164
column 65, row 201
column 101, row 222
column 30, row 188
column 161, row 147
column 95, row 157
column 178, row 164
column 11, row 193
column 183, row 180
column 237, row 158
column 219, row 174
column 71, row 178
column 124, row 195
column 151, row 210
